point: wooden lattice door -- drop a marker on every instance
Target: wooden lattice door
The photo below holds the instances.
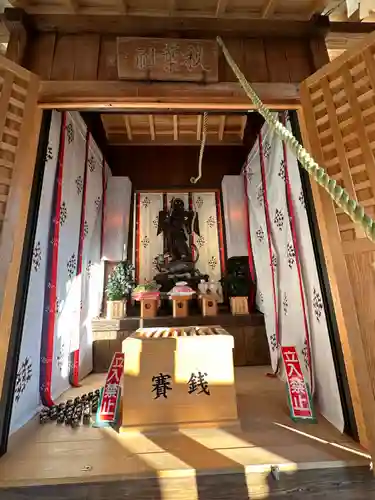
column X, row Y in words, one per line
column 338, row 120
column 20, row 121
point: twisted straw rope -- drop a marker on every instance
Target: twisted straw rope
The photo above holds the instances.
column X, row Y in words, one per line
column 338, row 194
column 194, row 180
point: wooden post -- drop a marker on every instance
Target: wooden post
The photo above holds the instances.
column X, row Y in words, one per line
column 16, row 23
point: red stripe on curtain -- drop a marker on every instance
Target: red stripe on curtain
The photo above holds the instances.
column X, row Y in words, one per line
column 104, row 187
column 268, row 224
column 249, row 247
column 220, row 232
column 54, row 267
column 191, row 236
column 137, row 235
column 297, row 253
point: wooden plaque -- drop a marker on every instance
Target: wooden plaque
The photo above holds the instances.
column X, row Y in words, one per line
column 165, row 59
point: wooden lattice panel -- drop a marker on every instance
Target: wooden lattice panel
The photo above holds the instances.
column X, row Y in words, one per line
column 14, row 84
column 340, row 108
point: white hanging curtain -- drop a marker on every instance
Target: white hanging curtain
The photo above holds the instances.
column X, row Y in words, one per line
column 327, row 391
column 264, row 254
column 26, row 396
column 235, row 216
column 211, row 251
column 289, row 292
column 68, row 283
column 91, row 268
column 147, row 244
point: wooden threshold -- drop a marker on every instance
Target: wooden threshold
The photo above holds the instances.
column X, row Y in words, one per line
column 108, row 95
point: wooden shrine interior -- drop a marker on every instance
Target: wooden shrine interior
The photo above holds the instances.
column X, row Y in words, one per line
column 166, row 146
column 277, row 43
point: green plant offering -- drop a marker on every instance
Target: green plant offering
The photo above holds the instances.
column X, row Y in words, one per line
column 150, row 286
column 120, row 282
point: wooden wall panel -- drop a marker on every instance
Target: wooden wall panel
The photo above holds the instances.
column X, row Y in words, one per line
column 166, row 167
column 107, row 65
column 40, row 54
column 64, row 58
column 93, row 57
column 87, row 49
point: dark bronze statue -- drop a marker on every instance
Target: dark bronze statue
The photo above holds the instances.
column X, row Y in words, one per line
column 177, row 225
column 178, row 262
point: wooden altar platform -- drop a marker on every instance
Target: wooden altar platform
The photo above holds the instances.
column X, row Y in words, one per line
column 250, row 341
column 315, row 461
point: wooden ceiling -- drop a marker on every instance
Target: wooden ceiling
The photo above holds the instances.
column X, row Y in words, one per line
column 251, row 9
column 174, row 130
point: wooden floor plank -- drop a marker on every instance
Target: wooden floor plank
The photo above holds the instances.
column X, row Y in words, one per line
column 52, row 454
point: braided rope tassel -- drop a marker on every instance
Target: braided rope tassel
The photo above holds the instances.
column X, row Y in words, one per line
column 338, row 194
column 194, row 180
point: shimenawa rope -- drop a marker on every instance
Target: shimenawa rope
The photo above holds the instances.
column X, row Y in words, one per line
column 194, row 180
column 338, row 194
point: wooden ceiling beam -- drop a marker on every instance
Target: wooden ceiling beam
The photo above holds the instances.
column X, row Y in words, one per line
column 316, row 8
column 128, row 127
column 222, row 127
column 351, row 28
column 117, row 95
column 343, row 35
column 116, row 139
column 175, row 127
column 16, row 23
column 123, row 6
column 199, row 127
column 172, row 7
column 152, row 127
column 72, row 5
column 243, row 126
column 221, row 7
column 268, row 8
column 178, row 26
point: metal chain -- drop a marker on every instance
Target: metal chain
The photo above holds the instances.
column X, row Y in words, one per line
column 338, row 194
column 194, row 180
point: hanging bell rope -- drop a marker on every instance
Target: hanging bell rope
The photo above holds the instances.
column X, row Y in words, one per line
column 194, row 180
column 338, row 194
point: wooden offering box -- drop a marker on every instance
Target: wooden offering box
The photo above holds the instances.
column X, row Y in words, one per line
column 149, row 307
column 239, row 305
column 209, row 304
column 178, row 377
column 149, row 303
column 180, row 305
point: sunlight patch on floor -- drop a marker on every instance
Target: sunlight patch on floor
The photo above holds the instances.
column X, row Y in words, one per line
column 323, row 441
